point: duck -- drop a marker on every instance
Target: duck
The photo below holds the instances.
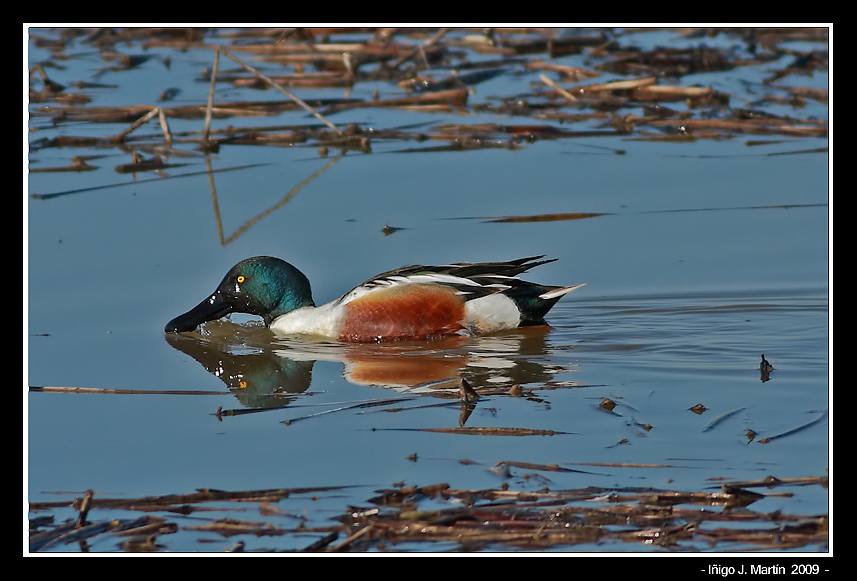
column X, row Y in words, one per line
column 409, row 303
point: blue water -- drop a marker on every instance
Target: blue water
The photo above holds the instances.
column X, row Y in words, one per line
column 705, row 256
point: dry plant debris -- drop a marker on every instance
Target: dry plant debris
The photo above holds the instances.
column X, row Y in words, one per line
column 635, row 107
column 495, row 519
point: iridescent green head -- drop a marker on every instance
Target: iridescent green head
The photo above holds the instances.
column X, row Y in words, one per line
column 262, row 285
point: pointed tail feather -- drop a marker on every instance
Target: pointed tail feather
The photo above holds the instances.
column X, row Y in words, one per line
column 558, row 292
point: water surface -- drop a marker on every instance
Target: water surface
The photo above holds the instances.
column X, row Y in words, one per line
column 699, row 257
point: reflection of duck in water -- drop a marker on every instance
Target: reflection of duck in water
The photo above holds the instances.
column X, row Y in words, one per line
column 496, row 361
column 259, row 378
column 262, row 370
column 413, row 302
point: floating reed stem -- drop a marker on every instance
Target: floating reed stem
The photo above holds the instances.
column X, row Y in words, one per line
column 279, row 88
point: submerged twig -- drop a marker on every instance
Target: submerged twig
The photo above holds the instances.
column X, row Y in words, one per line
column 793, row 431
column 374, row 403
column 482, row 431
column 722, row 418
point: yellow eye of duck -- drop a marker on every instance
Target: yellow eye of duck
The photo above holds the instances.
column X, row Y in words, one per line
column 241, row 278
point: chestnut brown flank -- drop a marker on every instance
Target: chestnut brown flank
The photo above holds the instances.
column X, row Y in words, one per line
column 414, row 311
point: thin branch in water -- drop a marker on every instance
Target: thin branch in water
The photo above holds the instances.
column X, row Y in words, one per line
column 349, row 407
column 112, row 391
column 141, row 121
column 421, row 48
column 550, row 83
column 480, row 431
column 289, row 195
column 208, row 108
column 793, row 431
column 279, row 88
column 138, row 182
column 165, row 127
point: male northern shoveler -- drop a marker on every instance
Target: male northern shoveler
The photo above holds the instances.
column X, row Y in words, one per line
column 412, row 302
